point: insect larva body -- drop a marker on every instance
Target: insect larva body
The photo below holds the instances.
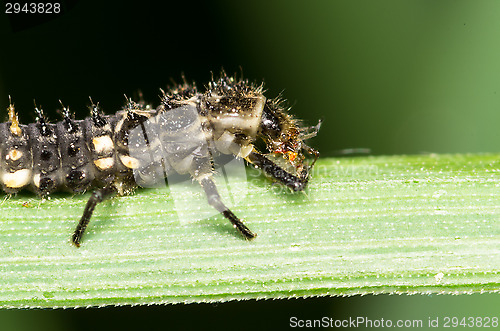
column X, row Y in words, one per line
column 141, row 145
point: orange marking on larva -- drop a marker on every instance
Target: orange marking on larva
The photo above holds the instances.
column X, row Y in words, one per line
column 14, row 126
column 14, row 155
column 291, row 156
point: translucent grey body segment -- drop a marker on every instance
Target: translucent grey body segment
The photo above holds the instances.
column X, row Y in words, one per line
column 178, row 141
column 172, row 141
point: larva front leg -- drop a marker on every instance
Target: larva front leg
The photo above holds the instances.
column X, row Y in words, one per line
column 296, row 183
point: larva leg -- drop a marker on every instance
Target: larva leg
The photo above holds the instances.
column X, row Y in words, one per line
column 294, row 182
column 215, row 201
column 95, row 198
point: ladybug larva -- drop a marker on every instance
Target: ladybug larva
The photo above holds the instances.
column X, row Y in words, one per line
column 114, row 154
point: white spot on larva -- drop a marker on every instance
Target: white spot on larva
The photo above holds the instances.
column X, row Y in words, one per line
column 103, row 144
column 14, row 155
column 16, row 179
column 129, row 161
column 104, row 163
column 245, row 151
column 36, row 180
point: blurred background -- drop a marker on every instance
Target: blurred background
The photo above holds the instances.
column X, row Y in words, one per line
column 397, row 77
column 389, row 76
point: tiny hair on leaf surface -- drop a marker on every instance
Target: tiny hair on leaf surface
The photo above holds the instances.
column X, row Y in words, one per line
column 384, row 224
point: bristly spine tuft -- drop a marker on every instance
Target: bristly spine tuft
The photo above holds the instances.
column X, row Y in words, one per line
column 14, row 120
column 178, row 94
column 68, row 119
column 232, row 86
column 97, row 116
column 42, row 120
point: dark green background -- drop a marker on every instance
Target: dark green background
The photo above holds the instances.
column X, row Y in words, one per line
column 392, row 76
column 395, row 77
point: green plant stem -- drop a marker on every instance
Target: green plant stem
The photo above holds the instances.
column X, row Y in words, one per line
column 388, row 224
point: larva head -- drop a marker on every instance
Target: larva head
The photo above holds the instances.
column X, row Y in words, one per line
column 285, row 137
column 239, row 107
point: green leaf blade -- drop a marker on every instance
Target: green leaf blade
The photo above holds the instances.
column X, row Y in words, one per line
column 398, row 224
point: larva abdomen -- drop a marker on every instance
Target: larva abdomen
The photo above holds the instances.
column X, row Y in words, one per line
column 70, row 155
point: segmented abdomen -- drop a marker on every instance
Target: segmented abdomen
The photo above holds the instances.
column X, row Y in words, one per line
column 69, row 155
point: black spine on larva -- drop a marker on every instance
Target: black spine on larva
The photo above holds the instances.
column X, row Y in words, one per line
column 15, row 158
column 97, row 117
